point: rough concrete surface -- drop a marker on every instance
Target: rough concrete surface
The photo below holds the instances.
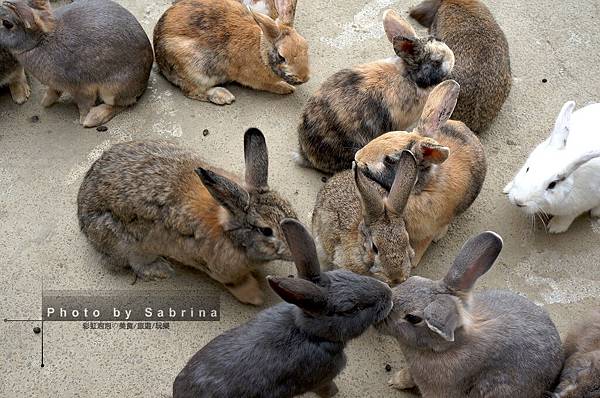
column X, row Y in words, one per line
column 42, row 164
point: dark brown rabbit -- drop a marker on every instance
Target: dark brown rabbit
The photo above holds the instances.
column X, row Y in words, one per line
column 482, row 58
column 358, row 104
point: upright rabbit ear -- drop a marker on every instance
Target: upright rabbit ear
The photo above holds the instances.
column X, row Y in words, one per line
column 394, row 26
column 32, row 17
column 439, row 107
column 286, row 9
column 370, row 198
column 442, row 316
column 229, row 194
column 257, row 160
column 558, row 138
column 432, row 152
column 302, row 247
column 300, row 292
column 404, row 182
column 474, row 259
column 268, row 26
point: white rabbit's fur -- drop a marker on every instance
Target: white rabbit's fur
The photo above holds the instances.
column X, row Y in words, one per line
column 561, row 177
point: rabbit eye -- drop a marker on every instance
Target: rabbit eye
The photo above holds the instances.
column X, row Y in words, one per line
column 552, row 185
column 7, row 24
column 374, row 248
column 527, row 170
column 413, row 319
column 266, row 231
column 280, row 58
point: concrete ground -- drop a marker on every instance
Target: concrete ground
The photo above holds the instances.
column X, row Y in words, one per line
column 42, row 163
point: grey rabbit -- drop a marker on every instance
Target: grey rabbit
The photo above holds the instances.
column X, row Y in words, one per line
column 92, row 49
column 144, row 202
column 580, row 377
column 293, row 347
column 457, row 344
column 13, row 75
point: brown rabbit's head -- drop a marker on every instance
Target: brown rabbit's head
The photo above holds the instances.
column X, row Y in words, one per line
column 254, row 212
column 428, row 60
column 283, row 49
column 23, row 23
column 386, row 246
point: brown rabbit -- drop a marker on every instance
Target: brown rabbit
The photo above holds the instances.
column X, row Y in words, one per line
column 452, row 167
column 482, row 58
column 200, row 44
column 358, row 104
column 359, row 227
column 142, row 203
column 580, row 377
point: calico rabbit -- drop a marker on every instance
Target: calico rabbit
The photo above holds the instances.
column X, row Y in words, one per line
column 358, row 104
column 452, row 167
column 482, row 58
column 359, row 227
column 580, row 377
column 91, row 49
column 457, row 344
column 13, row 74
column 293, row 347
column 143, row 203
column 561, row 176
column 201, row 44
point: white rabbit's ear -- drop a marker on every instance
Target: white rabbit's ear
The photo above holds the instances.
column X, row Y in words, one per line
column 558, row 138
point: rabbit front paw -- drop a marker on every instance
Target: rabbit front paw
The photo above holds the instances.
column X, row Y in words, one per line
column 158, row 269
column 402, row 380
column 560, row 224
column 20, row 92
column 220, row 96
column 248, row 291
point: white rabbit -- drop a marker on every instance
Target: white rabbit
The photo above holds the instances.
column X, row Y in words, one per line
column 561, row 177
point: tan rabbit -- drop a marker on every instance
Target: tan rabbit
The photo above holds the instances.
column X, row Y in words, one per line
column 359, row 227
column 482, row 57
column 145, row 202
column 580, row 376
column 452, row 167
column 201, row 44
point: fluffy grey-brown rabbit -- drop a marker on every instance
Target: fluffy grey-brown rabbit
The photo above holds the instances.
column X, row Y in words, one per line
column 360, row 227
column 13, row 75
column 357, row 104
column 580, row 377
column 91, row 49
column 457, row 344
column 145, row 202
column 482, row 66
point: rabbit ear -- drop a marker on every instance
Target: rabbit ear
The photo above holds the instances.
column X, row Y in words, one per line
column 370, row 198
column 558, row 138
column 394, row 26
column 474, row 259
column 302, row 247
column 257, row 160
column 439, row 107
column 580, row 161
column 32, row 18
column 286, row 9
column 442, row 316
column 404, row 46
column 300, row 292
column 229, row 194
column 432, row 152
column 268, row 26
column 404, row 182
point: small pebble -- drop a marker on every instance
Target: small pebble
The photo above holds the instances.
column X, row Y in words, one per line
column 34, row 119
column 544, row 80
column 205, row 132
column 388, row 367
column 101, row 129
column 324, row 179
column 37, row 330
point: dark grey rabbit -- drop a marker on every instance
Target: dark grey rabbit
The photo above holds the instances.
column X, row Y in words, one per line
column 13, row 75
column 294, row 347
column 91, row 49
column 457, row 344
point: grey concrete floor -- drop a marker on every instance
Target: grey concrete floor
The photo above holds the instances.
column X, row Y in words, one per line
column 41, row 166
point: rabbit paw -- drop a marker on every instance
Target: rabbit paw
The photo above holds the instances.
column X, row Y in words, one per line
column 20, row 92
column 50, row 97
column 158, row 269
column 220, row 96
column 402, row 380
column 283, row 88
column 441, row 234
column 560, row 224
column 327, row 391
column 247, row 292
